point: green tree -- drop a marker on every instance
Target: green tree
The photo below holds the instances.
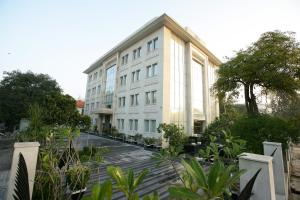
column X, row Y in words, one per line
column 272, row 63
column 173, row 133
column 18, row 90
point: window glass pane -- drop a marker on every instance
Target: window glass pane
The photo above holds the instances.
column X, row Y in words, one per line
column 154, row 97
column 137, row 75
column 130, row 124
column 137, row 99
column 131, row 100
column 154, row 68
column 132, row 76
column 147, row 97
column 136, row 124
column 149, row 46
column 146, row 125
column 155, row 43
column 110, row 85
column 153, row 126
column 148, row 71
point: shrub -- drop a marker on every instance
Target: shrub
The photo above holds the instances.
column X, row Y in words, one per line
column 77, row 177
column 173, row 133
column 259, row 128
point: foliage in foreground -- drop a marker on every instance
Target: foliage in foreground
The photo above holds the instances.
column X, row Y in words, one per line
column 198, row 184
column 260, row 128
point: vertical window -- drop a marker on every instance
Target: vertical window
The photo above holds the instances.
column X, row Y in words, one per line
column 132, row 76
column 92, row 106
column 136, row 99
column 90, row 78
column 146, row 125
column 136, row 124
column 153, row 95
column 126, row 58
column 120, row 101
column 148, row 71
column 119, row 126
column 154, row 69
column 147, row 98
column 134, row 54
column 153, row 126
column 139, row 52
column 122, row 123
column 155, row 41
column 131, row 124
column 137, row 74
column 131, row 100
column 123, row 101
column 87, row 107
column 99, row 89
column 149, row 44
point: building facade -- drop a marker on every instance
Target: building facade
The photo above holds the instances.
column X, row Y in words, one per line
column 162, row 73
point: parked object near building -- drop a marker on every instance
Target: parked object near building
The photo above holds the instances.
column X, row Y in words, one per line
column 162, row 73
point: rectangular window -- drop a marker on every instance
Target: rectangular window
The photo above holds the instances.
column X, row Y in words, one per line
column 154, row 69
column 153, row 126
column 122, row 124
column 147, row 98
column 137, row 75
column 95, row 75
column 92, row 106
column 120, row 101
column 149, row 44
column 136, row 99
column 87, row 107
column 99, row 89
column 134, row 54
column 123, row 101
column 155, row 41
column 131, row 124
column 148, row 72
column 139, row 52
column 146, row 125
column 153, row 95
column 90, row 78
column 126, row 59
column 132, row 76
column 119, row 124
column 88, row 93
column 123, row 80
column 136, row 124
column 131, row 100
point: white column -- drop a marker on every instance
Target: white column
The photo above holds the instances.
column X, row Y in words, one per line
column 263, row 188
column 29, row 151
column 278, row 168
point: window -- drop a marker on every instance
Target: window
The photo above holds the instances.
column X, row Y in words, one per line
column 146, row 125
column 147, row 98
column 120, row 101
column 150, row 125
column 131, row 124
column 151, row 97
column 124, row 60
column 100, row 74
column 110, row 85
column 132, row 76
column 122, row 123
column 88, row 93
column 97, row 105
column 90, row 78
column 123, row 80
column 136, row 99
column 152, row 45
column 137, row 53
column 93, row 91
column 95, row 75
column 151, row 70
column 92, row 106
column 119, row 123
column 138, row 75
column 155, row 41
column 149, row 44
column 136, row 124
column 123, row 101
column 131, row 100
column 87, row 107
column 99, row 89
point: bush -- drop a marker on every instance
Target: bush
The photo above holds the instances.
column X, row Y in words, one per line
column 260, row 128
column 173, row 133
column 77, row 177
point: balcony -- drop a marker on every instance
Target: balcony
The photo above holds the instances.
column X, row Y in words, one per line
column 102, row 110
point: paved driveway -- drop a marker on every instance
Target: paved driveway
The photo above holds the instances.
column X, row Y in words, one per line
column 130, row 156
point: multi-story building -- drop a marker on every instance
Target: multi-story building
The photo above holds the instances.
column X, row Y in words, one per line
column 162, row 73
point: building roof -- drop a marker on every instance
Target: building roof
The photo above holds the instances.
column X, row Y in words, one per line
column 151, row 26
column 79, row 104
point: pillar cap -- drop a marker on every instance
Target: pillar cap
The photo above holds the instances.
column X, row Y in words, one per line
column 272, row 143
column 26, row 144
column 256, row 157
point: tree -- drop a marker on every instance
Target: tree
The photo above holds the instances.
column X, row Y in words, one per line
column 270, row 64
column 18, row 90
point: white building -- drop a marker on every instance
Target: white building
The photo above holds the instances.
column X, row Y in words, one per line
column 162, row 73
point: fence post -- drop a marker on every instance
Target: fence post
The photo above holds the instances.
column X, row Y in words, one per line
column 278, row 168
column 264, row 185
column 29, row 151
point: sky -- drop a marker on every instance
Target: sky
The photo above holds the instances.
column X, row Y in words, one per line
column 62, row 38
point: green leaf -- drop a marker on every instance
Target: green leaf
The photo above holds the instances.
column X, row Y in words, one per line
column 183, row 193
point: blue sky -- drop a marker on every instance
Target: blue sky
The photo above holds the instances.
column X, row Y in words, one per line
column 62, row 38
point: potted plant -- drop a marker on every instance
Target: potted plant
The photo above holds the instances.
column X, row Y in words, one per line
column 149, row 142
column 77, row 178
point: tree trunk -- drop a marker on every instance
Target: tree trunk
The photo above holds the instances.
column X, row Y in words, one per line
column 250, row 100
